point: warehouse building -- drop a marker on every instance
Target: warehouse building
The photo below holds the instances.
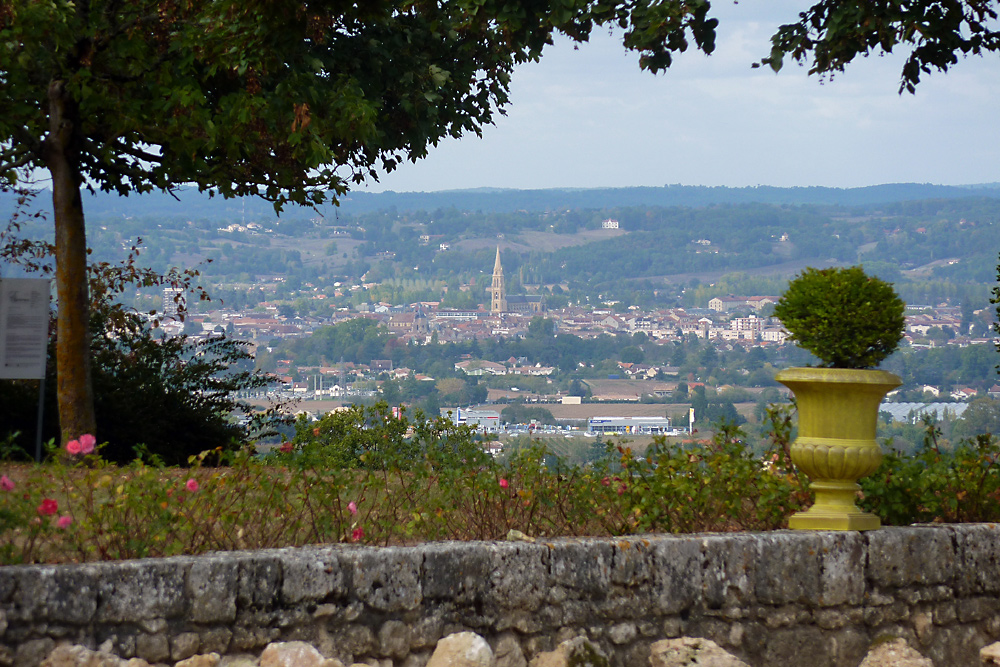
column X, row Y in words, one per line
column 629, row 425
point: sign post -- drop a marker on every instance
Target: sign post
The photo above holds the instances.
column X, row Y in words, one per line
column 24, row 336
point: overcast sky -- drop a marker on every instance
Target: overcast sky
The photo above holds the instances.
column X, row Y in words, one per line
column 591, row 118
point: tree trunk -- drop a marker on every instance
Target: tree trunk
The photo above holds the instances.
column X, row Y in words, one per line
column 74, row 389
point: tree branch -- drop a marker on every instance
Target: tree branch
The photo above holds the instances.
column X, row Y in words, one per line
column 10, row 160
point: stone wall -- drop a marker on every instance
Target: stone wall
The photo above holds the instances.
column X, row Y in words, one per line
column 778, row 598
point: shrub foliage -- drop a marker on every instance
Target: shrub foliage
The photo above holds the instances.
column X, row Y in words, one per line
column 845, row 317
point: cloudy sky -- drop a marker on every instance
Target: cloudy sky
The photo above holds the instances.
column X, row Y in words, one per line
column 591, row 118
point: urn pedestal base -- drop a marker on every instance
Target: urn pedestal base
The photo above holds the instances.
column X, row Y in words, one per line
column 834, row 509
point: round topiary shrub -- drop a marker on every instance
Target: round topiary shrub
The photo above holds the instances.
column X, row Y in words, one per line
column 845, row 317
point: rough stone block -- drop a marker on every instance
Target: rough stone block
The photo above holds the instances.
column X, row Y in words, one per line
column 249, row 638
column 691, row 651
column 291, row 654
column 895, row 652
column 425, row 632
column 799, row 646
column 622, row 605
column 357, row 639
column 899, row 557
column 678, row 568
column 25, row 591
column 57, row 594
column 788, row 567
column 582, row 566
column 622, row 633
column 312, row 575
column 184, row 645
column 72, row 594
column 259, row 580
column 978, row 559
column 417, row 660
column 385, row 579
column 32, row 652
column 455, row 571
column 216, row 640
column 632, row 562
column 139, row 590
column 9, row 577
column 576, row 652
column 518, row 575
column 152, row 648
column 915, row 596
column 203, row 660
column 842, row 568
column 728, row 569
column 507, row 651
column 956, row 645
column 211, row 589
column 976, row 609
column 463, row 649
column 849, row 646
column 394, row 639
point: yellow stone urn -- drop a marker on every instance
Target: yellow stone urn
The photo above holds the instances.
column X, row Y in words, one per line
column 838, row 414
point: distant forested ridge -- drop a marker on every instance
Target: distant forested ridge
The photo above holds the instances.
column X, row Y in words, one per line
column 189, row 202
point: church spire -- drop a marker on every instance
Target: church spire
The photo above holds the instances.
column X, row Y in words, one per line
column 498, row 292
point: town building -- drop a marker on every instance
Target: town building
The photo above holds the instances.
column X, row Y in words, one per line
column 484, row 421
column 629, row 425
column 501, row 302
column 498, row 290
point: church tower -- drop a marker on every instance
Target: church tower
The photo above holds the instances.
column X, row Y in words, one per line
column 498, row 293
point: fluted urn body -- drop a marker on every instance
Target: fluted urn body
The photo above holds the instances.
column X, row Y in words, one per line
column 838, row 415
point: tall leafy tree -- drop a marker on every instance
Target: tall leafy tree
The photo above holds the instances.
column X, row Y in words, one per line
column 291, row 101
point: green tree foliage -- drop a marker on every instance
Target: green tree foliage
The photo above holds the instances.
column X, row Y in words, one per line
column 832, row 33
column 712, row 409
column 373, row 437
column 291, row 103
column 518, row 413
column 982, row 416
column 844, row 317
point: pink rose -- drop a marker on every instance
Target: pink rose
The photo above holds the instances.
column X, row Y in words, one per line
column 73, row 447
column 64, row 521
column 48, row 507
column 87, row 443
column 352, row 508
column 357, row 534
column 6, row 483
column 504, row 483
column 192, row 485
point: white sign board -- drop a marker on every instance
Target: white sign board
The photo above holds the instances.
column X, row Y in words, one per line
column 24, row 328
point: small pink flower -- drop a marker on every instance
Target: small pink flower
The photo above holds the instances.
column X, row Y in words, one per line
column 192, row 485
column 73, row 447
column 6, row 483
column 357, row 533
column 87, row 443
column 64, row 521
column 48, row 507
column 605, row 482
column 352, row 508
column 504, row 483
